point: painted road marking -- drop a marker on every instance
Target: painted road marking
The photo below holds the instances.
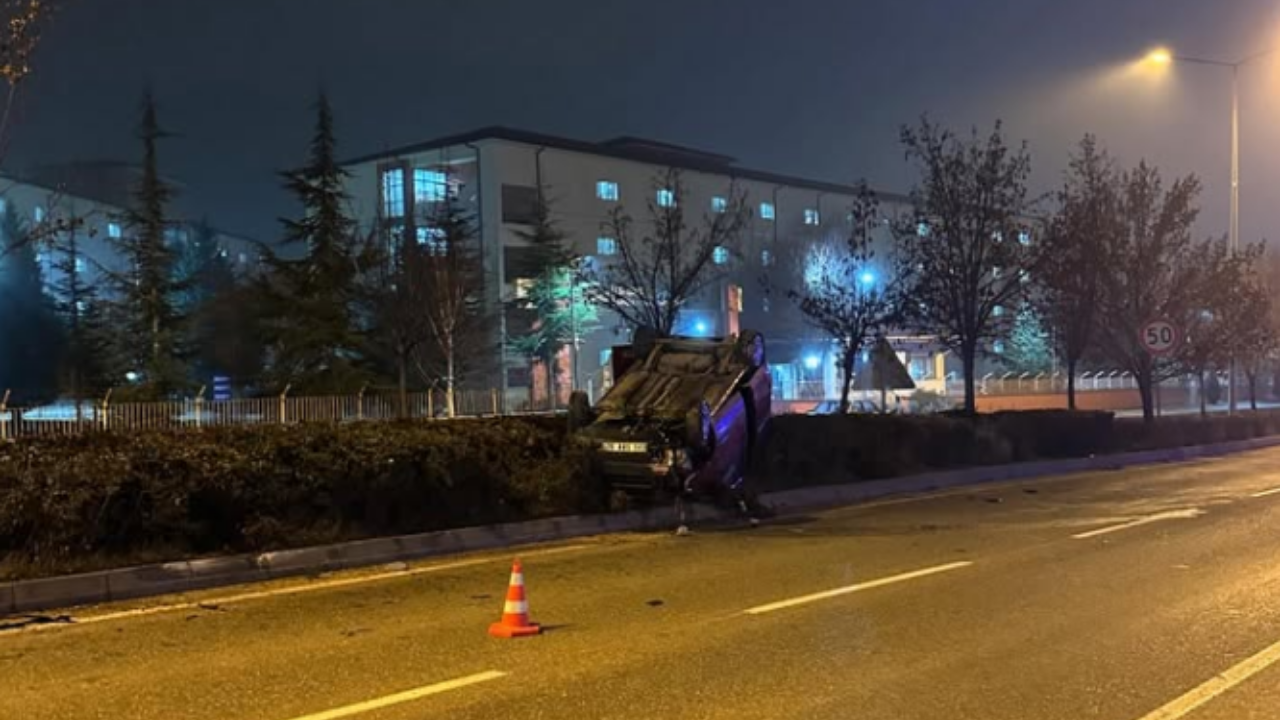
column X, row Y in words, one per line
column 1188, row 703
column 1267, row 493
column 404, row 697
column 285, row 591
column 869, row 585
column 1159, row 517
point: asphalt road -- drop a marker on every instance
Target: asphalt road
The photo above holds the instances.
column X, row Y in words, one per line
column 1148, row 594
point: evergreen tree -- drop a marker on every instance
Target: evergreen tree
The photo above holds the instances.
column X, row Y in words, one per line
column 311, row 303
column 148, row 290
column 1028, row 349
column 29, row 336
column 223, row 331
column 89, row 360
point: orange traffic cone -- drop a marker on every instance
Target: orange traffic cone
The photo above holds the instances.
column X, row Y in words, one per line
column 515, row 614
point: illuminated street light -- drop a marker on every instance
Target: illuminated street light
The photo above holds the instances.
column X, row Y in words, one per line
column 1164, row 56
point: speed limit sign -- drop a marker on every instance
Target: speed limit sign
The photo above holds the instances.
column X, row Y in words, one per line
column 1159, row 337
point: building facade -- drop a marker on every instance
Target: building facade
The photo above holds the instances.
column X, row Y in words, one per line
column 496, row 174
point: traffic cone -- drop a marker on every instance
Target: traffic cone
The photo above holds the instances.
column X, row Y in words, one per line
column 515, row 613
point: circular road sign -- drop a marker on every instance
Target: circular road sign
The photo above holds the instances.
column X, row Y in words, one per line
column 1160, row 337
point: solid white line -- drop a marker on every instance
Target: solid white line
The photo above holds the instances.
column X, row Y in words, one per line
column 1172, row 515
column 404, row 697
column 869, row 585
column 1267, row 493
column 1186, row 704
column 285, row 591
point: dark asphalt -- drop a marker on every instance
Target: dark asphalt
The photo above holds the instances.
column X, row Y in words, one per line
column 1040, row 626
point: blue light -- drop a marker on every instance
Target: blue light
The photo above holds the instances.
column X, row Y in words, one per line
column 812, row 362
column 700, row 327
column 131, row 376
column 867, row 278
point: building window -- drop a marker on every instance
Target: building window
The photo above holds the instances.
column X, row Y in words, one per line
column 1024, row 238
column 606, row 246
column 82, row 307
column 114, row 231
column 80, row 265
column 523, row 287
column 997, row 311
column 720, row 255
column 393, row 193
column 433, row 239
column 767, row 211
column 430, row 186
column 719, row 205
column 811, row 217
column 607, row 190
column 606, row 356
column 998, row 347
column 666, row 198
column 766, row 258
column 38, row 213
column 922, row 229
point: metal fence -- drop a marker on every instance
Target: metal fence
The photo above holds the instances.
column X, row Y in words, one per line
column 1028, row 383
column 65, row 418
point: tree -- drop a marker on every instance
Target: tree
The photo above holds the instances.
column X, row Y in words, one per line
column 311, row 298
column 21, row 26
column 29, row 339
column 848, row 294
column 89, row 359
column 665, row 263
column 148, row 289
column 1149, row 273
column 1029, row 348
column 1252, row 317
column 1071, row 270
column 556, row 300
column 968, row 241
column 452, row 280
column 223, row 330
column 402, row 325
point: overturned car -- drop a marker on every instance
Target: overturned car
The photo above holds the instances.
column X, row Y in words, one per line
column 684, row 415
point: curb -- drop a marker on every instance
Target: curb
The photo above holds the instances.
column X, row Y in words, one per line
column 25, row 596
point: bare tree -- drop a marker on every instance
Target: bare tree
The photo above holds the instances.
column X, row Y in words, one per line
column 452, row 287
column 401, row 321
column 662, row 264
column 1150, row 273
column 1253, row 317
column 968, row 243
column 21, row 25
column 1212, row 320
column 1071, row 272
column 848, row 293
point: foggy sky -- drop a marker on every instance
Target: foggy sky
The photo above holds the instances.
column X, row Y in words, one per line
column 812, row 87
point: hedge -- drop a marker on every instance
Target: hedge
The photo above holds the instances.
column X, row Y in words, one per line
column 253, row 489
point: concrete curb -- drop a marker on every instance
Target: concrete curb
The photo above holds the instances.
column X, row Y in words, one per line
column 28, row 596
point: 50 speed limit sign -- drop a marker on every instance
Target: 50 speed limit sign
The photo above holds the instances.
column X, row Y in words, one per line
column 1159, row 337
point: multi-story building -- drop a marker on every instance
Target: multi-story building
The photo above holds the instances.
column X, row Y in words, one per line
column 496, row 174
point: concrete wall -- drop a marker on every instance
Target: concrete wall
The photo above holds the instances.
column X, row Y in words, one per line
column 1091, row 400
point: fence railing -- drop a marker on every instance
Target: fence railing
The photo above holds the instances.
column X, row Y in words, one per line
column 66, row 418
column 1028, row 383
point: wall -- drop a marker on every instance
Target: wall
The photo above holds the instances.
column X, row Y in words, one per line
column 1090, row 400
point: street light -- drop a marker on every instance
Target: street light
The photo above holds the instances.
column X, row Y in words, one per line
column 1165, row 56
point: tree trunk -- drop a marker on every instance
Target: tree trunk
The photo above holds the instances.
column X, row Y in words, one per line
column 1252, row 378
column 969, row 356
column 450, row 408
column 1204, row 396
column 1145, row 392
column 549, row 363
column 403, row 371
column 850, row 357
column 1071, row 384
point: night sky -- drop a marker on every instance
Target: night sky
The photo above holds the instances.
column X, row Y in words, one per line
column 811, row 87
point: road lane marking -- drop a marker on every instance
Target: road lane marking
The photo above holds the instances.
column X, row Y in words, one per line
column 404, row 697
column 1266, row 493
column 285, row 591
column 1188, row 703
column 1187, row 514
column 869, row 585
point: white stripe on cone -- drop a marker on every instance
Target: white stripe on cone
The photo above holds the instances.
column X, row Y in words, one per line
column 517, row 579
column 516, row 607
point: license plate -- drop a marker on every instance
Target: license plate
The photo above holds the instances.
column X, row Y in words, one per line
column 626, row 447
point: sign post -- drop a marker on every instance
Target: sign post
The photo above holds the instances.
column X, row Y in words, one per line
column 1160, row 338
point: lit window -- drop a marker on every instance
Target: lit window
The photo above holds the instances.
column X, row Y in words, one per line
column 998, row 311
column 998, row 347
column 82, row 306
column 606, row 246
column 393, row 192
column 80, row 265
column 767, row 211
column 719, row 205
column 766, row 258
column 720, row 255
column 523, row 287
column 607, row 190
column 433, row 239
column 922, row 229
column 996, row 272
column 38, row 213
column 1024, row 277
column 666, row 198
column 1024, row 238
column 430, row 186
column 114, row 231
column 811, row 217
column 606, row 356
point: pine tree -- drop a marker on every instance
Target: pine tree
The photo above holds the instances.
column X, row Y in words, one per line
column 29, row 337
column 89, row 359
column 311, row 303
column 148, row 290
column 223, row 332
column 1028, row 349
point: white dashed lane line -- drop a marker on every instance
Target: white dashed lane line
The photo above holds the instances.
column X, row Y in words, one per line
column 860, row 587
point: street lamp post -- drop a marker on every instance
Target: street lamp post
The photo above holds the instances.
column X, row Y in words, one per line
column 1163, row 56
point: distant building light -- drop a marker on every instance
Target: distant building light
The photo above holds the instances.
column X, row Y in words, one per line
column 1024, row 238
column 720, row 255
column 38, row 213
column 606, row 246
column 607, row 190
column 131, row 376
column 430, row 186
column 812, row 217
column 701, row 327
column 393, row 192
column 922, row 229
column 114, row 231
column 998, row 347
column 666, row 198
column 867, row 278
column 768, row 211
column 719, row 205
column 812, row 362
